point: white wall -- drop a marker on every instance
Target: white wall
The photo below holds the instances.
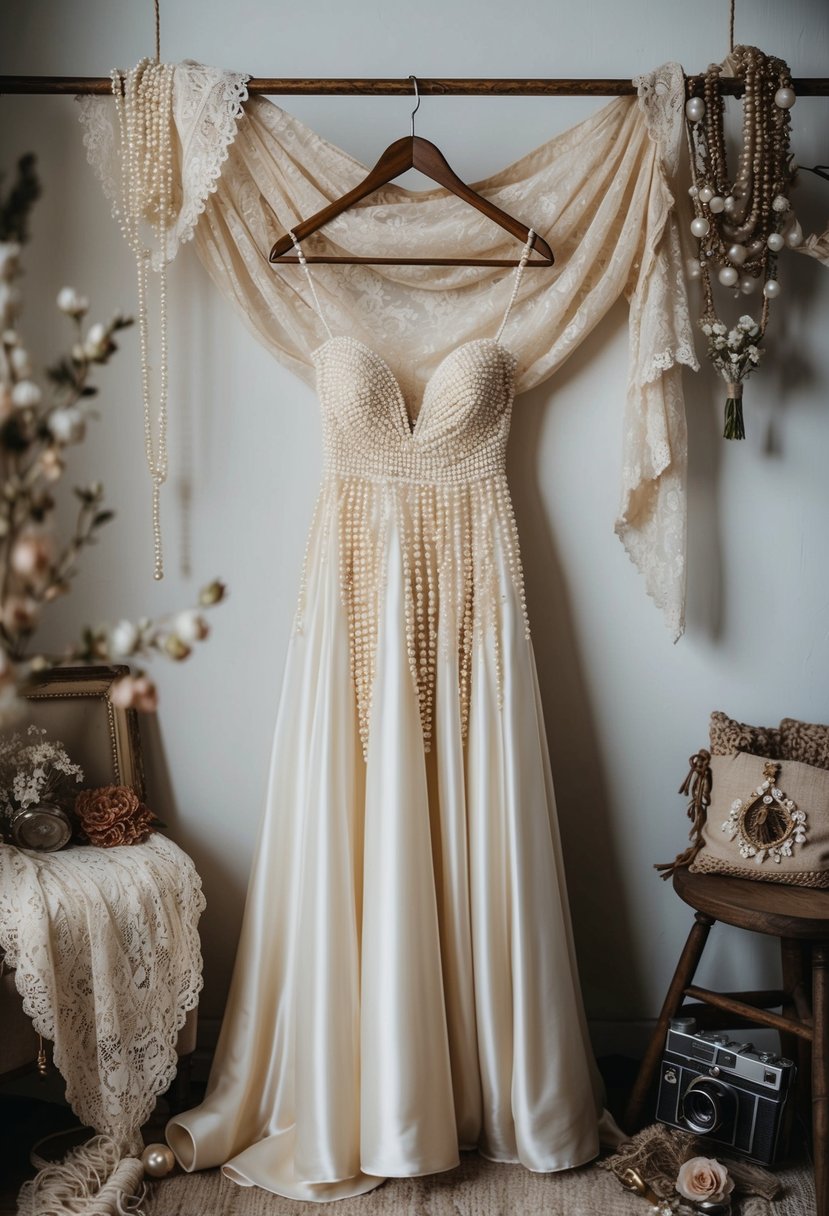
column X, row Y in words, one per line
column 625, row 707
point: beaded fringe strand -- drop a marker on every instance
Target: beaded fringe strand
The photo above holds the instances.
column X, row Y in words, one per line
column 452, row 540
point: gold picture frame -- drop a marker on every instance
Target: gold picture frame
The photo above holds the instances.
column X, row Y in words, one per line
column 73, row 704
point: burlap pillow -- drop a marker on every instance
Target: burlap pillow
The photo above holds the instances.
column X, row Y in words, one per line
column 767, row 820
column 728, row 736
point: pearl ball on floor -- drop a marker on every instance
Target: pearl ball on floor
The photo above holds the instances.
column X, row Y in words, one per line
column 700, row 226
column 695, row 108
column 717, row 204
column 158, row 1160
column 737, row 254
column 705, row 194
column 747, row 284
column 728, row 276
column 784, row 98
column 775, row 242
column 772, row 289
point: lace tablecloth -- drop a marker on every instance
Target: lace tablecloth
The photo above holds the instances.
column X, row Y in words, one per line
column 106, row 953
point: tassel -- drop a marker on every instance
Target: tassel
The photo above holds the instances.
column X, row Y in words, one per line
column 97, row 1178
column 698, row 785
column 734, row 425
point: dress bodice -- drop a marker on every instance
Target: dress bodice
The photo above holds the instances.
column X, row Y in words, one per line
column 429, row 494
column 459, row 435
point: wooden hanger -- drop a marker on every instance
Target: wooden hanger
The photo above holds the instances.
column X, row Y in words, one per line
column 412, row 152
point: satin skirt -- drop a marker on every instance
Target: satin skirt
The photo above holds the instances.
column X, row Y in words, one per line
column 405, row 984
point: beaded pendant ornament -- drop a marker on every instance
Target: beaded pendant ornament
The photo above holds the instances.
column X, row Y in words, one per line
column 741, row 224
column 766, row 824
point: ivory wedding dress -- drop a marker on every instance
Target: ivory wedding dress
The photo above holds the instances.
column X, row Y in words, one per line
column 405, row 984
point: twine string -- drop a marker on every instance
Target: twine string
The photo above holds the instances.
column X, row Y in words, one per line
column 157, row 4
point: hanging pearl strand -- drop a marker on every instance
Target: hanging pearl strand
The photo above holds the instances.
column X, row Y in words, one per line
column 143, row 101
column 742, row 225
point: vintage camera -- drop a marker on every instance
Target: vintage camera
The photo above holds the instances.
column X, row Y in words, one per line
column 726, row 1091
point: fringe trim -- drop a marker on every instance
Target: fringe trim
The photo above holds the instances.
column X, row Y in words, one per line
column 816, row 879
column 698, row 784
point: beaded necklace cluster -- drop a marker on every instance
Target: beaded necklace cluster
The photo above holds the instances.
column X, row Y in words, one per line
column 143, row 102
column 741, row 224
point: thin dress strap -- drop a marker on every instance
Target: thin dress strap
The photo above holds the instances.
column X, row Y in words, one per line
column 519, row 271
column 304, row 264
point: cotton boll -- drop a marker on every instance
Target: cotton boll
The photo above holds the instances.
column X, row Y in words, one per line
column 67, row 425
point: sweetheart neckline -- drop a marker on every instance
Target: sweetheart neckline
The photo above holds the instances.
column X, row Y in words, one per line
column 411, row 427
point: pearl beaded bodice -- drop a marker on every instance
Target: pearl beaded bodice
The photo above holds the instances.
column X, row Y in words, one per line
column 433, row 489
column 460, row 432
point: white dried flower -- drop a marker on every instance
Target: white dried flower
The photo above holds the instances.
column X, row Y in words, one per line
column 191, row 626
column 707, row 329
column 124, row 639
column 20, row 361
column 70, row 302
column 734, row 357
column 780, row 204
column 67, row 425
column 95, row 345
column 754, row 354
column 719, row 328
column 26, row 393
column 719, row 343
column 735, row 339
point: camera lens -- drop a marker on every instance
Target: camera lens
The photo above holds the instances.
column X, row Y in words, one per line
column 706, row 1105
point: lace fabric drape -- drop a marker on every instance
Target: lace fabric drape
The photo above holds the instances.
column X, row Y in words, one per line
column 599, row 193
column 106, row 954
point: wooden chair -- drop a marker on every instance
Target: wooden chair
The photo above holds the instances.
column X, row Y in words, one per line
column 799, row 917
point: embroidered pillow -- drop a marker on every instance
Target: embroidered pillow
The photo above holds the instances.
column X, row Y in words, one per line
column 767, row 820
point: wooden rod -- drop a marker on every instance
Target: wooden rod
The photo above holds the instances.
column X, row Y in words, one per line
column 759, row 1017
column 808, row 86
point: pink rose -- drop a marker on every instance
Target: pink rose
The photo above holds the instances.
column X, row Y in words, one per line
column 704, row 1178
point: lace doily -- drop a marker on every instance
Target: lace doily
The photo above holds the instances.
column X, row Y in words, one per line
column 105, row 947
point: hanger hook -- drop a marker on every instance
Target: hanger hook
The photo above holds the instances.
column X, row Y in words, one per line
column 417, row 96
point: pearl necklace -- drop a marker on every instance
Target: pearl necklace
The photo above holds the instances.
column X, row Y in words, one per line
column 143, row 102
column 742, row 225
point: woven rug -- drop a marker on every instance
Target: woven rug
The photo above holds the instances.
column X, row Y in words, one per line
column 476, row 1188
